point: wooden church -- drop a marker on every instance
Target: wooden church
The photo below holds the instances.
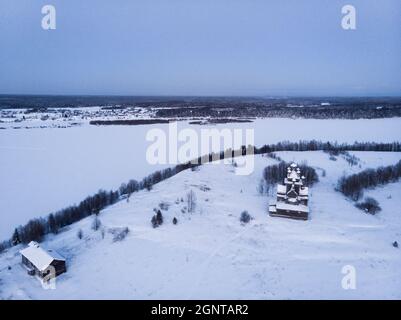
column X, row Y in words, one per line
column 292, row 197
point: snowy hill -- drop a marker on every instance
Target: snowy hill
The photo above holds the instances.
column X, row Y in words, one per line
column 210, row 254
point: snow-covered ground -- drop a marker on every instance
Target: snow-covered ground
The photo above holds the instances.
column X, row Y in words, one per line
column 209, row 254
column 43, row 170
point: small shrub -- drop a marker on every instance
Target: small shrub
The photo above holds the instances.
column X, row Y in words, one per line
column 175, row 221
column 157, row 219
column 120, row 234
column 153, row 221
column 245, row 217
column 370, row 205
column 395, row 244
column 164, row 205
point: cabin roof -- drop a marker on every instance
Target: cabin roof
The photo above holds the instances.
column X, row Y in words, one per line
column 40, row 257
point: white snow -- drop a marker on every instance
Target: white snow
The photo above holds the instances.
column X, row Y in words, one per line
column 288, row 206
column 43, row 170
column 210, row 254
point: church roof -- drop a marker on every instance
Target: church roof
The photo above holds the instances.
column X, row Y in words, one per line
column 304, row 191
column 292, row 207
column 293, row 175
column 281, row 188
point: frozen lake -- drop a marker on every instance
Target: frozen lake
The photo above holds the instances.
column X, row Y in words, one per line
column 43, row 170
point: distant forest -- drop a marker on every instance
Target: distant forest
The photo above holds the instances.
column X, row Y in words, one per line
column 37, row 228
column 217, row 107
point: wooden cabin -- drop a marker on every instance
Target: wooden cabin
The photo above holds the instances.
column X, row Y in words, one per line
column 39, row 262
column 292, row 196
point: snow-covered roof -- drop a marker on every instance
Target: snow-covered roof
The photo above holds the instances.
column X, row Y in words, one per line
column 291, row 207
column 293, row 175
column 281, row 188
column 40, row 257
column 303, row 191
column 289, row 181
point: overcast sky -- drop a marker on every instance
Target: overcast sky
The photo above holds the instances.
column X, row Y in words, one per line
column 201, row 47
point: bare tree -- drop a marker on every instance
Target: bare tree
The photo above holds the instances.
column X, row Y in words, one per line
column 80, row 234
column 191, row 201
column 96, row 223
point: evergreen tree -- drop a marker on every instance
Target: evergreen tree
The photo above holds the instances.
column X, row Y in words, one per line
column 159, row 217
column 53, row 227
column 15, row 238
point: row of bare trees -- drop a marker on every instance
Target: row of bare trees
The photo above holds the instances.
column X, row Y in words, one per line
column 352, row 186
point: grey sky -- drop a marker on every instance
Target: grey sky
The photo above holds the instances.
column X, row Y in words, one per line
column 201, row 47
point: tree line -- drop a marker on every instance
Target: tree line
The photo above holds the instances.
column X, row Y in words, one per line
column 37, row 228
column 352, row 186
column 278, row 108
column 278, row 172
column 314, row 145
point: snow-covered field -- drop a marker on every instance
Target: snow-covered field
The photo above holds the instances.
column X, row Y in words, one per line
column 209, row 254
column 42, row 170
